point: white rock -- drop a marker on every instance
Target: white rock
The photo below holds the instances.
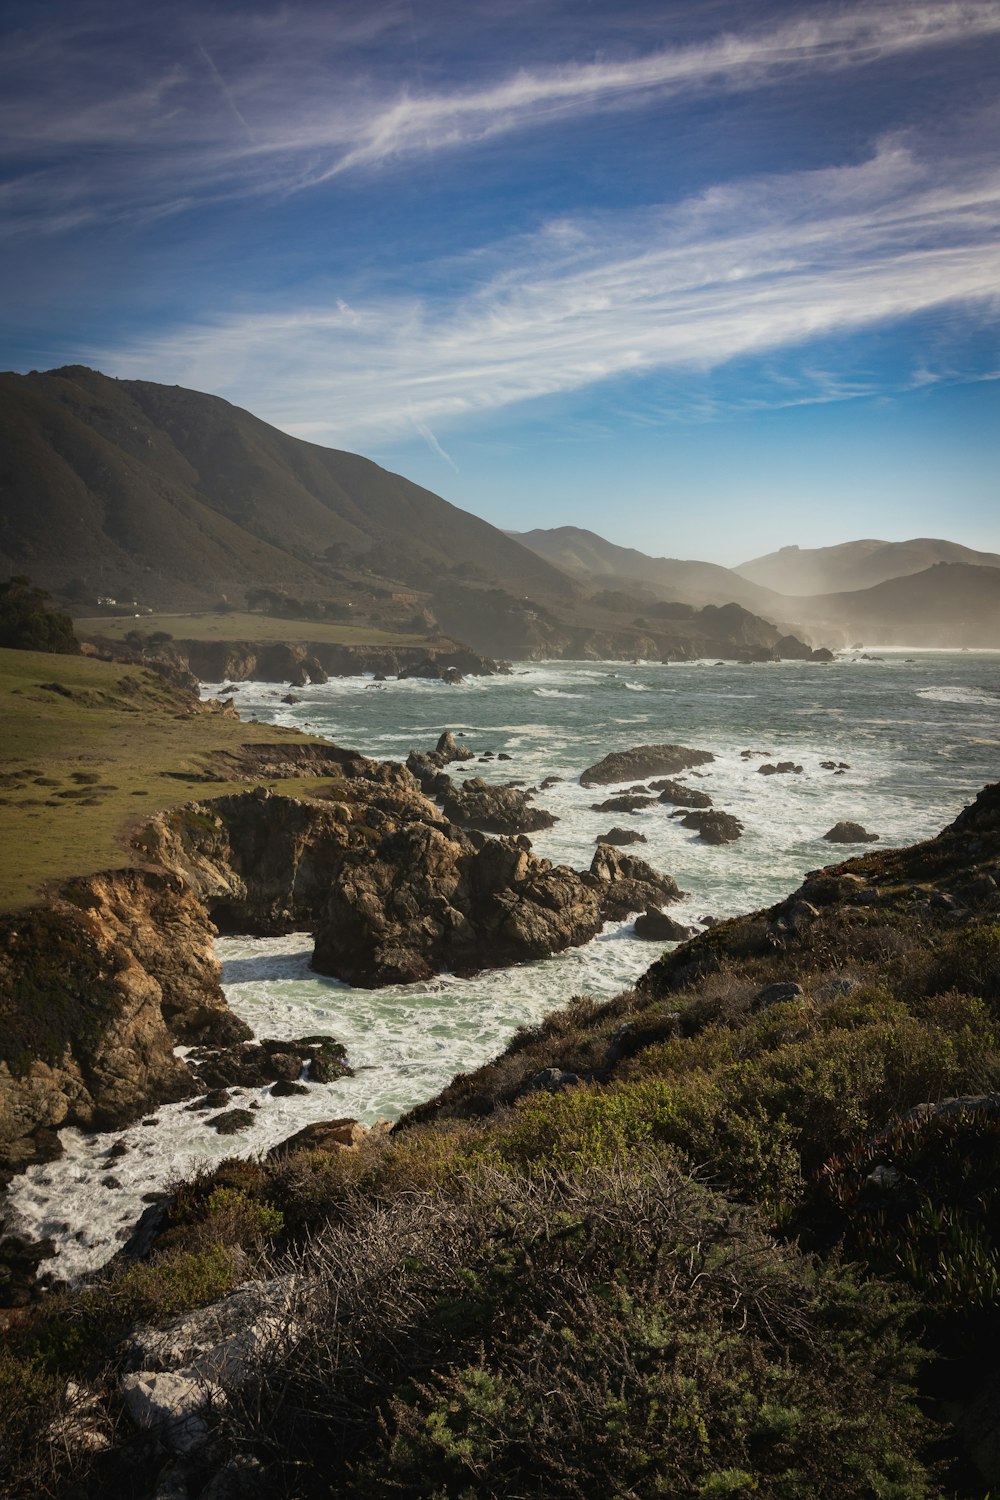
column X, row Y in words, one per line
column 173, row 1404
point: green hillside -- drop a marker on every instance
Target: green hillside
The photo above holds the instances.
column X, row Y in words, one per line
column 91, row 749
column 133, row 490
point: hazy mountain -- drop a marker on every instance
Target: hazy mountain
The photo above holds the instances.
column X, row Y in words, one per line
column 602, row 563
column 855, row 565
column 176, row 497
column 945, row 604
column 949, row 604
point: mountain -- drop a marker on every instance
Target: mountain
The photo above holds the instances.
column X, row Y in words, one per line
column 855, row 565
column 947, row 605
column 175, row 498
column 586, row 555
column 126, row 490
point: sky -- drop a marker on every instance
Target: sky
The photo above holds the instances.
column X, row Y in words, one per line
column 708, row 277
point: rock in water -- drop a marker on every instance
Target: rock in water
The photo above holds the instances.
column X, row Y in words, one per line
column 676, row 794
column 627, row 884
column 628, row 802
column 714, row 827
column 621, row 836
column 643, row 761
column 424, row 900
column 850, row 833
column 657, row 926
column 495, row 809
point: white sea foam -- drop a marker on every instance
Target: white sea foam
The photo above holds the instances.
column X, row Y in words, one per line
column 963, row 696
column 910, row 772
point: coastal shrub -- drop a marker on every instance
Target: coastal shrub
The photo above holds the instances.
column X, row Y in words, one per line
column 969, row 961
column 75, row 1334
column 32, row 1461
column 921, row 1202
column 615, row 1330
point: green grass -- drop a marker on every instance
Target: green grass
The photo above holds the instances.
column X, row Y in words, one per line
column 81, row 768
column 262, row 629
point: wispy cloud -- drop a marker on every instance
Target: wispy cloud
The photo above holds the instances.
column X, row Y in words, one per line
column 433, row 444
column 283, row 105
column 777, row 262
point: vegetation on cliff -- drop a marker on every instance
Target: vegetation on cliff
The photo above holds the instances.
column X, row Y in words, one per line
column 27, row 623
column 91, row 749
column 708, row 1270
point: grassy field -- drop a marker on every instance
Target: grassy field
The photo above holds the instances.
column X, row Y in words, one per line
column 261, row 629
column 88, row 750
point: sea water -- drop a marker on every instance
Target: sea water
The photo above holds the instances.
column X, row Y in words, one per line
column 919, row 731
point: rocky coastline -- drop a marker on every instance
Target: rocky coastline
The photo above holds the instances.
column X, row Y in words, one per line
column 102, row 982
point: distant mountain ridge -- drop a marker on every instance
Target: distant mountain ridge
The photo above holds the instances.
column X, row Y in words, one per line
column 951, row 602
column 855, row 565
column 585, row 554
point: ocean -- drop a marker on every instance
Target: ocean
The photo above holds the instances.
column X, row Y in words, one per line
column 918, row 731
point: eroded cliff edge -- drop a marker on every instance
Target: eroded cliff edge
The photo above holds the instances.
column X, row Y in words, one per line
column 100, row 984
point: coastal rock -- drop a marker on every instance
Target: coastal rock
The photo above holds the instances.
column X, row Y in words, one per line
column 850, row 833
column 657, row 926
column 628, row 802
column 495, row 809
column 776, row 994
column 790, row 648
column 821, row 654
column 783, row 768
column 231, row 1121
column 627, row 884
column 255, row 1064
column 448, row 749
column 714, row 827
column 94, row 994
column 421, row 901
column 329, row 1135
column 676, row 794
column 621, row 837
column 317, row 673
column 642, row 762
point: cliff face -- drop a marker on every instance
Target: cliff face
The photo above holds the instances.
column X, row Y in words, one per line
column 95, row 991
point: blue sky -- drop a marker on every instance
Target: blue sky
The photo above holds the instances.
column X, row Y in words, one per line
column 705, row 276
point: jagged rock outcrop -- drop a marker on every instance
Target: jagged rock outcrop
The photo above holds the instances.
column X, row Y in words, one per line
column 494, row 809
column 264, row 863
column 95, row 991
column 657, row 926
column 242, row 661
column 643, row 761
column 423, row 900
column 627, row 884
